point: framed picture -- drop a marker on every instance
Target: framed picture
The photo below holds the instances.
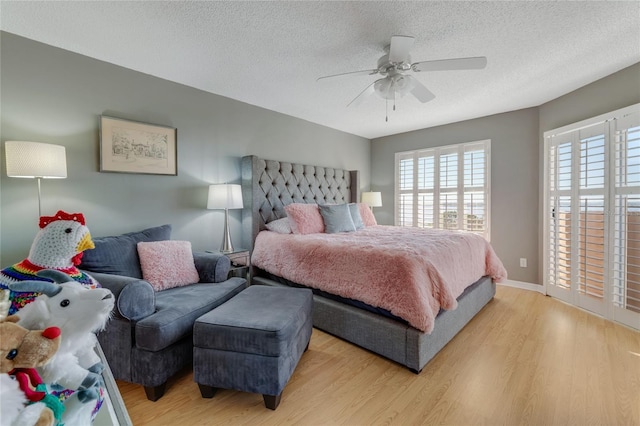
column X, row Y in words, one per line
column 134, row 147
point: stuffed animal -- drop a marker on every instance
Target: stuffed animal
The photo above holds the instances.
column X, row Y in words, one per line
column 79, row 313
column 23, row 398
column 58, row 245
column 22, row 348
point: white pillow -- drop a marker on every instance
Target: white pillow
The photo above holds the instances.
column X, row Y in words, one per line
column 281, row 226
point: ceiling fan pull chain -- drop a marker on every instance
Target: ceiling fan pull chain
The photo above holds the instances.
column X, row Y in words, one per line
column 386, row 110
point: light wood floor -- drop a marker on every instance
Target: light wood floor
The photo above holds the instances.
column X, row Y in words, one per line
column 526, row 359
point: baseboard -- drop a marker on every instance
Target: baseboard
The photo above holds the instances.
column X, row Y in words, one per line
column 523, row 285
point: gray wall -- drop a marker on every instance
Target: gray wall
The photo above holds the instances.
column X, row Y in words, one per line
column 55, row 96
column 516, row 163
column 514, row 179
column 613, row 92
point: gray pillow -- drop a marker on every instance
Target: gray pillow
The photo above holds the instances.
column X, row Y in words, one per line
column 337, row 218
column 119, row 255
column 355, row 216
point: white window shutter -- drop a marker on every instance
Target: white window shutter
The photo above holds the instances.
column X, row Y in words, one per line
column 592, row 215
column 445, row 187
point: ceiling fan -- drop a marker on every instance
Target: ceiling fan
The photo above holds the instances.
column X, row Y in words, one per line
column 394, row 67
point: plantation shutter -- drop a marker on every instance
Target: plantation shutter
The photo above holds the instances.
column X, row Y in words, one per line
column 592, row 246
column 448, row 197
column 404, row 190
column 445, row 187
column 476, row 188
column 592, row 215
column 427, row 211
column 625, row 262
column 560, row 227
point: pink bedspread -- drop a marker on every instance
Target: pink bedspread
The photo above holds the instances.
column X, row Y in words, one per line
column 410, row 272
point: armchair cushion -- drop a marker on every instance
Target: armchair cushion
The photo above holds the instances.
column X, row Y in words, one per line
column 178, row 308
column 119, row 255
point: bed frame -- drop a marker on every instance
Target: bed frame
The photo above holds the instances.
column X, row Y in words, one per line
column 270, row 185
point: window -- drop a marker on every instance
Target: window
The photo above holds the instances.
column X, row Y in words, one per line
column 592, row 214
column 445, row 187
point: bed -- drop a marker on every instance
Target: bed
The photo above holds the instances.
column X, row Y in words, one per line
column 269, row 186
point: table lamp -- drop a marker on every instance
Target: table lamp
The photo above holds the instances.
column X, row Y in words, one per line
column 372, row 199
column 225, row 196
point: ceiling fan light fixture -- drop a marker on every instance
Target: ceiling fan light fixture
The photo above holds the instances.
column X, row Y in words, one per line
column 382, row 88
column 402, row 84
column 394, row 86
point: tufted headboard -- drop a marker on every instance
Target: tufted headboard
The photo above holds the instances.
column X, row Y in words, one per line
column 268, row 186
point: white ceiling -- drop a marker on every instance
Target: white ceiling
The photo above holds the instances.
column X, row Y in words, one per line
column 270, row 53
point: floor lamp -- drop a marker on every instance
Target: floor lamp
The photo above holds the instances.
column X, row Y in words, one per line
column 35, row 160
column 225, row 196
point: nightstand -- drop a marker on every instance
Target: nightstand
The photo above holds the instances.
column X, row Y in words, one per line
column 239, row 262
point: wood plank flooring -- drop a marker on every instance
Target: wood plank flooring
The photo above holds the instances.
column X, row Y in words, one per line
column 526, row 359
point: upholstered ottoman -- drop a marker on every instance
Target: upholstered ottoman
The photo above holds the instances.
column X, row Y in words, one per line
column 253, row 342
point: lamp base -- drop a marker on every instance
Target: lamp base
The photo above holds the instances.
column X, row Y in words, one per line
column 227, row 246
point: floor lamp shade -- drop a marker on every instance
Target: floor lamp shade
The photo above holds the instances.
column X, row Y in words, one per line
column 372, row 199
column 35, row 160
column 225, row 196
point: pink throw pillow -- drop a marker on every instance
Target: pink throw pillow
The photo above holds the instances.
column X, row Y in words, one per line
column 305, row 218
column 167, row 264
column 367, row 215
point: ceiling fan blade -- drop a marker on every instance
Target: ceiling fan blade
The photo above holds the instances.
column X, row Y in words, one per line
column 420, row 91
column 400, row 47
column 476, row 63
column 363, row 72
column 368, row 91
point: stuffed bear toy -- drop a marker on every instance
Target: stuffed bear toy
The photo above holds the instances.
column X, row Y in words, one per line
column 58, row 245
column 23, row 397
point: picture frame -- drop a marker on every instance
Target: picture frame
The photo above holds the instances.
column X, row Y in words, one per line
column 134, row 147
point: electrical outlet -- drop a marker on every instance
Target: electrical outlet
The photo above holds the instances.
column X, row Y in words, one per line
column 523, row 262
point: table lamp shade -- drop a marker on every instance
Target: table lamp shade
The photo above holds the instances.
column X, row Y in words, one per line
column 35, row 160
column 372, row 199
column 225, row 196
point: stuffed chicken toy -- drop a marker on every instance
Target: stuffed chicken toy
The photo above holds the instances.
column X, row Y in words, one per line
column 58, row 245
column 23, row 397
column 79, row 313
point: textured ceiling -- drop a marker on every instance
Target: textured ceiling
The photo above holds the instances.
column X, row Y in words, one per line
column 270, row 53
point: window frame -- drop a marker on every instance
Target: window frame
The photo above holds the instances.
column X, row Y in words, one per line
column 460, row 190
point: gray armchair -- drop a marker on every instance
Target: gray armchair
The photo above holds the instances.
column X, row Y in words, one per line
column 149, row 337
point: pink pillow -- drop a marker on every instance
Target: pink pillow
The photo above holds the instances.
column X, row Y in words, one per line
column 167, row 264
column 305, row 218
column 367, row 215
